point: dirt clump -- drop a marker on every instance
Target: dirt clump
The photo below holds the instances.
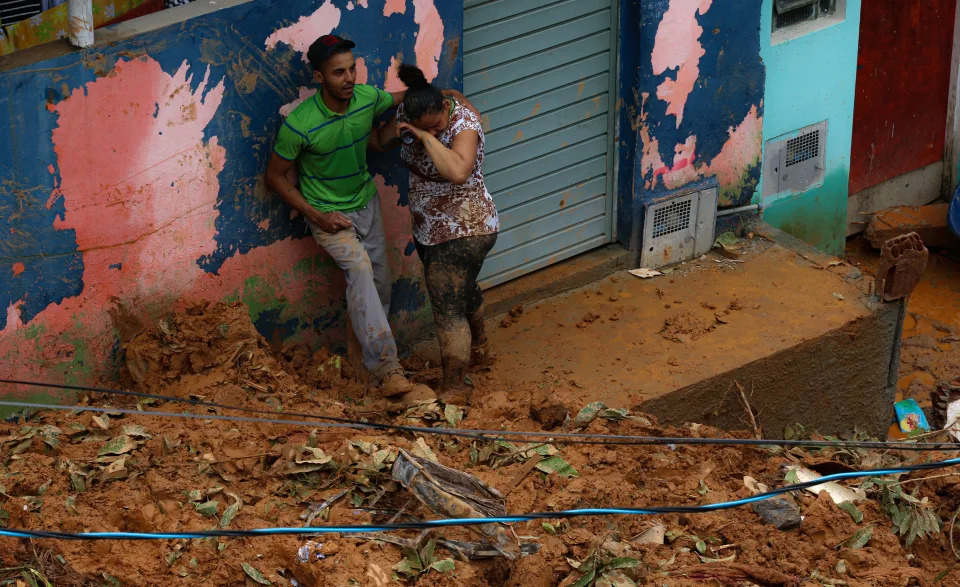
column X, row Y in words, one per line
column 588, row 319
column 684, row 327
column 512, row 316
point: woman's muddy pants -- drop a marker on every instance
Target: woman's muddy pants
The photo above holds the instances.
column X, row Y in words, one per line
column 451, row 270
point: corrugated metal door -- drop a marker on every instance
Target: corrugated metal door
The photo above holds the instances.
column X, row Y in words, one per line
column 542, row 74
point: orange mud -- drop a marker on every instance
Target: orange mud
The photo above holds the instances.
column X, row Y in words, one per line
column 106, row 474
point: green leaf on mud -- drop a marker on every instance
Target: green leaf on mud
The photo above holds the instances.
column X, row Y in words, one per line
column 557, row 465
column 444, row 566
column 254, row 574
column 585, row 579
column 858, row 540
column 229, row 514
column 622, row 562
column 853, row 510
column 453, row 415
column 118, row 446
column 549, row 528
column 208, row 508
column 588, row 414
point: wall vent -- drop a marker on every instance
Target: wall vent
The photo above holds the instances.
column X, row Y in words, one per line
column 788, row 13
column 678, row 229
column 795, row 162
column 795, row 18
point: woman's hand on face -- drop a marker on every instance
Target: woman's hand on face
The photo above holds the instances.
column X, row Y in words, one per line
column 418, row 133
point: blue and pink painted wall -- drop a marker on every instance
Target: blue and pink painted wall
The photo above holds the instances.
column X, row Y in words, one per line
column 132, row 178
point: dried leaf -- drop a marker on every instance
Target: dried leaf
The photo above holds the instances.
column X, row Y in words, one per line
column 136, row 431
column 254, row 574
column 115, row 470
column 423, row 451
column 615, row 579
column 103, row 421
column 453, row 415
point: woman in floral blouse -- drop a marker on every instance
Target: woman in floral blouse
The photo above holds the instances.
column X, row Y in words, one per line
column 455, row 221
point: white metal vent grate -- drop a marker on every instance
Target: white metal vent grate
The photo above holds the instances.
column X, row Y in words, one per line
column 788, row 13
column 803, row 148
column 672, row 218
column 679, row 228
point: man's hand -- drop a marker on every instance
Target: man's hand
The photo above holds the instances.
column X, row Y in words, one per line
column 329, row 222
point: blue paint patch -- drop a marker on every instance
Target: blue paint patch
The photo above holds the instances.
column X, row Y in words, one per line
column 411, row 248
column 406, row 296
column 117, row 266
column 275, row 330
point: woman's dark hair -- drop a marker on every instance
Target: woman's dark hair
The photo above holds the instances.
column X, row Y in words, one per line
column 422, row 97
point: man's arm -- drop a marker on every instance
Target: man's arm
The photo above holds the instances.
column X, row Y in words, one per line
column 385, row 138
column 278, row 180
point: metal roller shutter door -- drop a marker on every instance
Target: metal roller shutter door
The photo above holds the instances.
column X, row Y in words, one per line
column 542, row 74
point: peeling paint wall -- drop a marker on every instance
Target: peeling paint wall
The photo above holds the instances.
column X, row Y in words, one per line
column 811, row 79
column 696, row 109
column 132, row 180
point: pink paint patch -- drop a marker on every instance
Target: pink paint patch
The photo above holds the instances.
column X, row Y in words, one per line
column 741, row 150
column 682, row 171
column 289, row 107
column 18, row 268
column 362, row 73
column 51, row 169
column 349, row 5
column 429, row 38
column 395, row 7
column 677, row 46
column 264, row 224
column 393, row 83
column 305, row 31
column 362, row 3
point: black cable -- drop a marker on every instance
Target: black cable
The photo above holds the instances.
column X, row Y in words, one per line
column 556, row 438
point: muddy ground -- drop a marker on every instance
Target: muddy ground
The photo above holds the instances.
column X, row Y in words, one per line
column 103, row 472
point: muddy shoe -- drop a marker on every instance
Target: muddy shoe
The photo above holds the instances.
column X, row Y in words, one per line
column 399, row 392
column 482, row 356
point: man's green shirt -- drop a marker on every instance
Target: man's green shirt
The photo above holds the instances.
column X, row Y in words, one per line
column 331, row 149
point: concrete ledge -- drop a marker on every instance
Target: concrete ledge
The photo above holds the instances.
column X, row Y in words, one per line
column 839, row 381
column 557, row 279
column 915, row 188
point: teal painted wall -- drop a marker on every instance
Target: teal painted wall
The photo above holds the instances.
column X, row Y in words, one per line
column 811, row 79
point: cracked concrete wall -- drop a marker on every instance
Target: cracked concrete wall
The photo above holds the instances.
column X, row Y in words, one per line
column 132, row 178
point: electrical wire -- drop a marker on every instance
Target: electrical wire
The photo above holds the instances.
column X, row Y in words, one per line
column 508, row 519
column 514, row 435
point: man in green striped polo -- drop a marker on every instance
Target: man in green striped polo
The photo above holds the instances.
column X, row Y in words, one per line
column 324, row 140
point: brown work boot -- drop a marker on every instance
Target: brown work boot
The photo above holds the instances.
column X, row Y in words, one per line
column 396, row 388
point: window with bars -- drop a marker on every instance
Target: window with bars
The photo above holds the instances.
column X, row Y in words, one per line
column 788, row 13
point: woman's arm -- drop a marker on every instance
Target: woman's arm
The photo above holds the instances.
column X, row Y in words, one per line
column 454, row 164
